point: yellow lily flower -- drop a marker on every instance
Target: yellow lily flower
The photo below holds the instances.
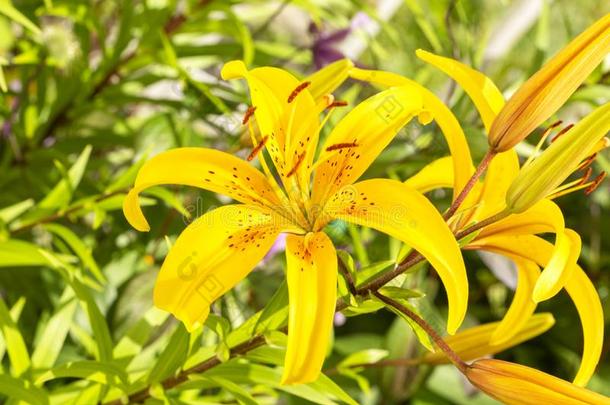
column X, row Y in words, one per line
column 488, row 199
column 474, row 343
column 514, row 384
column 549, row 88
column 296, row 195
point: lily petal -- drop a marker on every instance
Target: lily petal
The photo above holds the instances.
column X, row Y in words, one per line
column 547, row 90
column 543, row 217
column 364, row 132
column 208, row 169
column 210, row 256
column 401, row 212
column 438, row 174
column 480, row 88
column 474, row 343
column 312, row 290
column 579, row 287
column 329, row 78
column 489, row 102
column 449, row 125
column 522, row 307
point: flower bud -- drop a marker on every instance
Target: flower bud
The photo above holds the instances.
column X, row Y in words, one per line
column 539, row 178
column 547, row 90
column 514, row 384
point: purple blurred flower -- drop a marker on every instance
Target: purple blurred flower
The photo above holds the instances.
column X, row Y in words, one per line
column 339, row 319
column 278, row 246
column 326, row 44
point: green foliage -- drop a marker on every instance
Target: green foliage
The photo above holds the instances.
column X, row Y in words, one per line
column 90, row 90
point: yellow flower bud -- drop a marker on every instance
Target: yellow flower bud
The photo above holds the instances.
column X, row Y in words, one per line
column 544, row 174
column 514, row 384
column 547, row 90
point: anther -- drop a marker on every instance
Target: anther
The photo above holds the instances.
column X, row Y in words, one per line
column 563, row 131
column 257, row 148
column 249, row 113
column 344, row 145
column 586, row 176
column 296, row 91
column 338, row 103
column 296, row 165
column 587, row 162
column 598, row 180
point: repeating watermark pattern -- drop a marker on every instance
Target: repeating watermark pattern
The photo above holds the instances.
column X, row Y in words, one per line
column 389, row 108
column 209, row 287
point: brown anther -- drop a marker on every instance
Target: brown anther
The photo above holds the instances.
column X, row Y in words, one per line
column 587, row 162
column 338, row 103
column 555, row 124
column 296, row 165
column 598, row 180
column 257, row 148
column 344, row 145
column 249, row 113
column 296, row 91
column 586, row 176
column 563, row 131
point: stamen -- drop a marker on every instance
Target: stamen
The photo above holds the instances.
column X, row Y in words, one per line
column 338, row 103
column 257, row 148
column 587, row 162
column 296, row 165
column 296, row 91
column 586, row 176
column 249, row 113
column 543, row 138
column 344, row 145
column 598, row 180
column 563, row 131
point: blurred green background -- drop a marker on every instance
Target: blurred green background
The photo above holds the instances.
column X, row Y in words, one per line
column 90, row 89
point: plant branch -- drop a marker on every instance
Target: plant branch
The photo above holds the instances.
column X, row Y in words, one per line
column 67, row 212
column 471, row 183
column 436, row 338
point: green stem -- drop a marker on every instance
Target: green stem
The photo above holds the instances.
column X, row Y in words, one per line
column 436, row 338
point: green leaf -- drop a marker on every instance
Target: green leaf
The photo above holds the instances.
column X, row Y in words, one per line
column 15, row 252
column 90, row 370
column 15, row 313
column 400, row 293
column 172, row 358
column 169, row 198
column 12, row 212
column 99, row 327
column 15, row 345
column 23, row 390
column 138, row 335
column 7, row 8
column 54, row 332
column 275, row 313
column 322, row 391
column 77, row 245
column 221, row 327
column 61, row 194
column 368, row 356
column 128, row 177
column 421, row 334
column 240, row 394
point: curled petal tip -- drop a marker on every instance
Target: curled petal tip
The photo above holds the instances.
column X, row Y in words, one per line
column 233, row 70
column 133, row 212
